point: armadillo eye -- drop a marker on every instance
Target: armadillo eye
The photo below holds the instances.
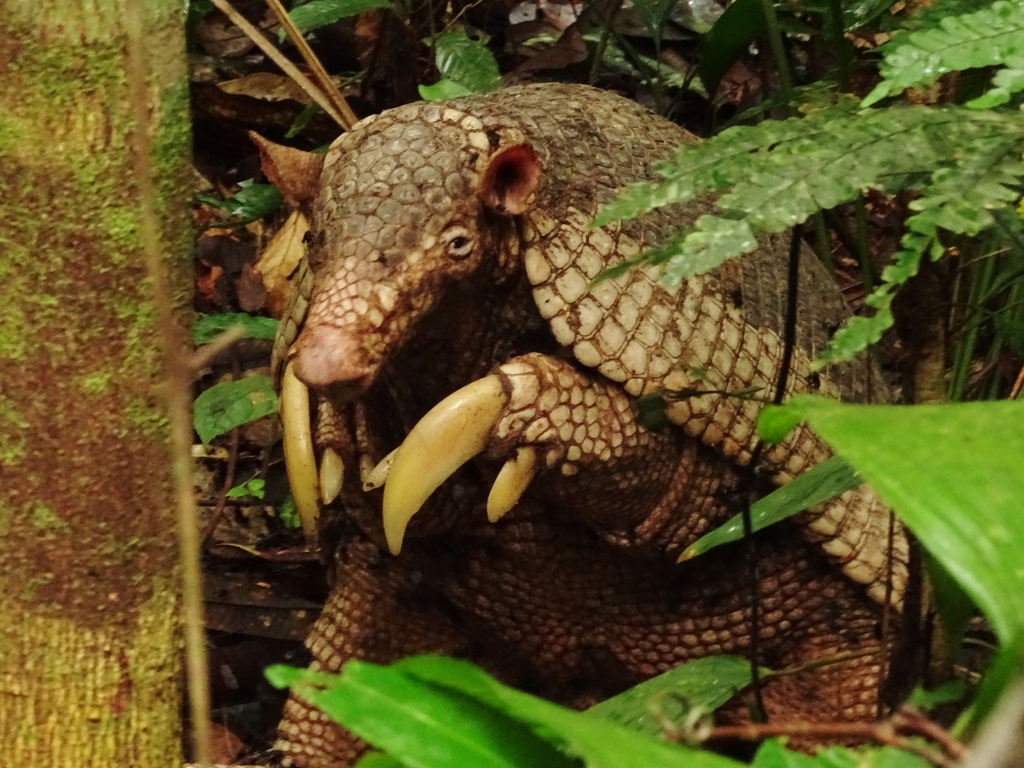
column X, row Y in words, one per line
column 458, row 242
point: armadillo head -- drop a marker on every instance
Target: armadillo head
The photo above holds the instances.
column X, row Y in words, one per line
column 405, row 208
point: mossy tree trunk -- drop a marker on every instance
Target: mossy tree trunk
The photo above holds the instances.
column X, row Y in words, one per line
column 89, row 592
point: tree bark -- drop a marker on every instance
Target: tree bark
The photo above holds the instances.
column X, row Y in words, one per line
column 89, row 587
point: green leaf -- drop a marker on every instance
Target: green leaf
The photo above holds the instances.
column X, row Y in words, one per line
column 772, row 754
column 443, row 89
column 466, row 62
column 641, row 67
column 948, row 693
column 319, row 13
column 1007, row 668
column 253, row 488
column 781, row 172
column 379, row 760
column 704, row 684
column 859, row 12
column 858, row 334
column 654, row 14
column 418, row 723
column 288, row 513
column 954, row 606
column 209, row 327
column 711, row 242
column 820, row 483
column 952, row 474
column 728, row 40
column 1006, row 82
column 599, row 743
column 251, row 202
column 773, row 423
column 988, row 37
column 230, row 404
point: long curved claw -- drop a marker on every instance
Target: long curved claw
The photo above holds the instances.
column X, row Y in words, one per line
column 298, row 451
column 454, row 431
column 332, row 475
column 510, row 483
column 377, row 476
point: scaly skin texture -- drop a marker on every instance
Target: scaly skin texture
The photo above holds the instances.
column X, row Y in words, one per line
column 452, row 243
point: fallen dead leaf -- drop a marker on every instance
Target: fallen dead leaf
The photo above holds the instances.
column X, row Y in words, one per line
column 279, row 260
column 252, row 294
column 266, row 86
column 207, row 284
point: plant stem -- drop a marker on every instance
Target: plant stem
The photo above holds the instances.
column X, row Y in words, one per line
column 778, row 49
column 867, row 268
column 839, row 43
column 824, row 248
column 980, row 279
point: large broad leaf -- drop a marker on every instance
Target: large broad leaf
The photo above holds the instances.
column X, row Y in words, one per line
column 432, row 712
column 252, row 201
column 953, row 474
column 231, row 404
column 209, row 327
column 465, row 64
column 418, row 723
column 319, row 13
column 654, row 14
column 599, row 743
column 818, row 484
column 773, row 754
column 729, row 39
column 704, row 684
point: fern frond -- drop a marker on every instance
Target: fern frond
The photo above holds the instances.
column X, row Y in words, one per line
column 988, row 37
column 1006, row 82
column 782, row 172
column 963, row 163
column 958, row 199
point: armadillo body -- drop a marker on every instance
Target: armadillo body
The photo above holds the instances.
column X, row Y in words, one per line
column 453, row 254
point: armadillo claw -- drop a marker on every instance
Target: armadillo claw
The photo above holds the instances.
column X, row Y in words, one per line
column 453, row 431
column 298, row 450
column 332, row 475
column 377, row 476
column 510, row 483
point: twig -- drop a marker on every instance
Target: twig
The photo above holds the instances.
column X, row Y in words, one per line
column 1017, row 385
column 179, row 383
column 884, row 732
column 327, row 85
column 914, row 721
column 825, row 661
column 205, row 354
column 229, row 481
column 278, row 58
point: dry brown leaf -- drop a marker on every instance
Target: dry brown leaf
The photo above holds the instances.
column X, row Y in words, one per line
column 218, row 36
column 267, row 86
column 279, row 260
column 227, row 746
column 252, row 294
column 207, row 284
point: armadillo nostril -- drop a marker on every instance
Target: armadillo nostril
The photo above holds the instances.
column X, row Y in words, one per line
column 325, row 356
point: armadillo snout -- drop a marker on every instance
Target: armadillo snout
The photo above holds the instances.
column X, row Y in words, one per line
column 325, row 355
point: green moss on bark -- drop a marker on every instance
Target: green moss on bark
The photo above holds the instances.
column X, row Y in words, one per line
column 92, row 643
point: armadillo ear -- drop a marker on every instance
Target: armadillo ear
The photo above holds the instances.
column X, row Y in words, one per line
column 294, row 172
column 511, row 178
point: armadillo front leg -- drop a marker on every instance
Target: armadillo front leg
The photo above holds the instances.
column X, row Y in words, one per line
column 570, row 438
column 376, row 613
